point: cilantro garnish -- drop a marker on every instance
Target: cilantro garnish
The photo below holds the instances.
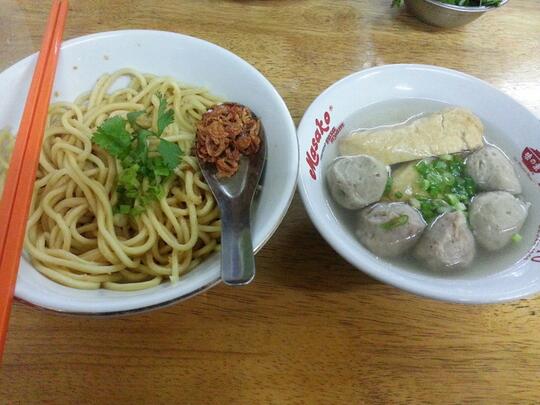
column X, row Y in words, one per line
column 165, row 117
column 170, row 152
column 113, row 137
column 144, row 166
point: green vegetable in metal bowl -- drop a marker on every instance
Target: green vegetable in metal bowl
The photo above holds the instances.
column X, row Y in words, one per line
column 463, row 3
column 473, row 3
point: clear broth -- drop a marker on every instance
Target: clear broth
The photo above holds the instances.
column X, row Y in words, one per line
column 394, row 112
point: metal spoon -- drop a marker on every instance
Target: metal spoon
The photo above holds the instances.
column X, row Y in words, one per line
column 234, row 196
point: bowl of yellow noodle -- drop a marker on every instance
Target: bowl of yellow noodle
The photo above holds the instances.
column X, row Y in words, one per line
column 112, row 232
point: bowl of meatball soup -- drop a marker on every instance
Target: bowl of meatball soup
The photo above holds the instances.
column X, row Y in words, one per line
column 427, row 179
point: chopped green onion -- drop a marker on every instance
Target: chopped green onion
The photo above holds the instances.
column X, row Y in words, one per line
column 446, row 184
column 440, row 165
column 442, row 207
column 449, row 179
column 422, row 167
column 414, row 203
column 388, row 186
column 516, row 238
column 395, row 222
column 452, row 199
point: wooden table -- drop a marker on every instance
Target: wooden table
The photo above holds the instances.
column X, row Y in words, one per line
column 311, row 329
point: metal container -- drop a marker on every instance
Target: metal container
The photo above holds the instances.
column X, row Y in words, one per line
column 446, row 15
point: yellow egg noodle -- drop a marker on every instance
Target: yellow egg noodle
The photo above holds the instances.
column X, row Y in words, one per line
column 73, row 236
column 6, row 147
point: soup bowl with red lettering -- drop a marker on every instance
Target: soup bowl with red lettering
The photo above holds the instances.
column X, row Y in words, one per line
column 376, row 101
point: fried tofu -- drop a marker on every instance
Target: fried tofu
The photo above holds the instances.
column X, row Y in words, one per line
column 449, row 131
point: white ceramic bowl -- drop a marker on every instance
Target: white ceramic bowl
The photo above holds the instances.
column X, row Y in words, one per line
column 405, row 90
column 192, row 61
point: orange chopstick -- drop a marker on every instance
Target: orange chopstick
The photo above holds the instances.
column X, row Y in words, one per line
column 20, row 180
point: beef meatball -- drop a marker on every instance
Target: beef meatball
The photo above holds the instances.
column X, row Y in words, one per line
column 495, row 217
column 356, row 181
column 389, row 229
column 447, row 244
column 492, row 171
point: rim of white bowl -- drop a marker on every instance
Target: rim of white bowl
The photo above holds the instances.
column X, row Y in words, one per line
column 291, row 188
column 369, row 264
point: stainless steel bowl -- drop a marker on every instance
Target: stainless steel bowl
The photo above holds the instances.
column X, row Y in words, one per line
column 446, row 15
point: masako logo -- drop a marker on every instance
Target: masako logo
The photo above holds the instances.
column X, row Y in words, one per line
column 312, row 155
column 531, row 159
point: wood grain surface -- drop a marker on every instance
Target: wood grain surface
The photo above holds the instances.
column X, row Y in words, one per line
column 311, row 329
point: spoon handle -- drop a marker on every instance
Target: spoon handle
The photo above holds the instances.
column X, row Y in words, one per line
column 237, row 259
